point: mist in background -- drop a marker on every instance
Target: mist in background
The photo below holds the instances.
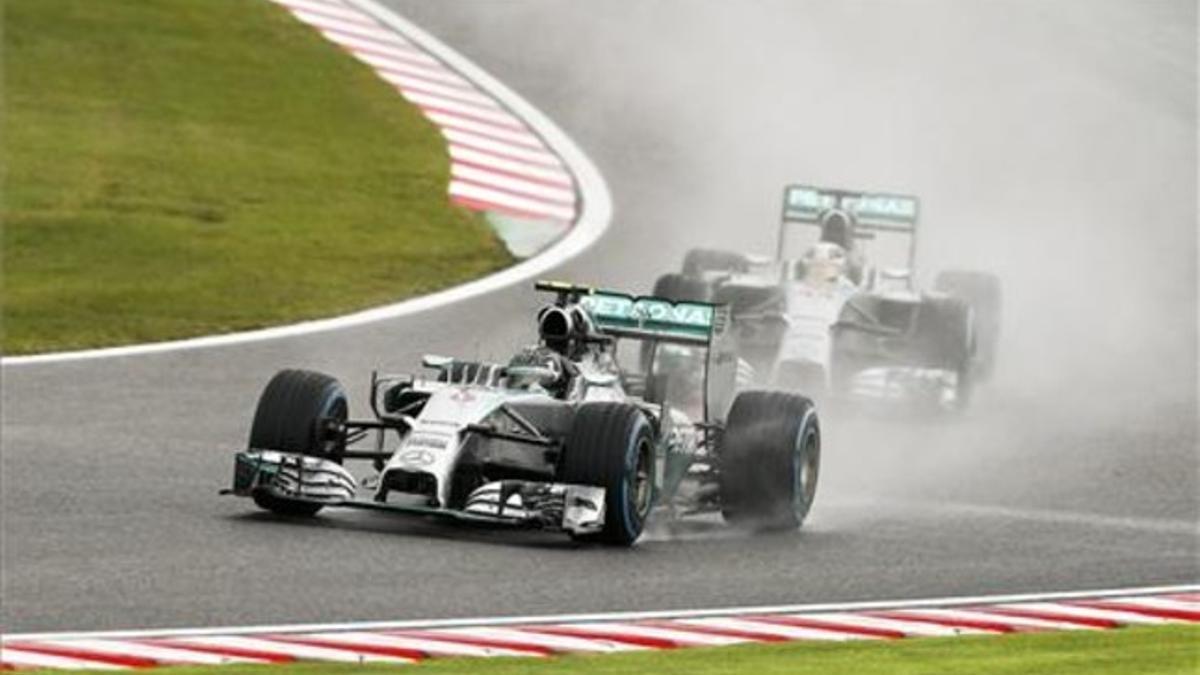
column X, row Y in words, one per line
column 1051, row 142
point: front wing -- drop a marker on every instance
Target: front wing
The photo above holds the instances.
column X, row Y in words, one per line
column 578, row 509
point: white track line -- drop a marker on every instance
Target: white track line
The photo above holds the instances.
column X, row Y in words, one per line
column 558, row 643
column 831, row 611
column 1164, row 525
column 432, row 647
column 415, row 83
column 778, row 630
column 678, row 633
column 592, row 218
column 496, row 637
column 1161, row 603
column 394, row 52
column 1090, row 613
column 388, row 65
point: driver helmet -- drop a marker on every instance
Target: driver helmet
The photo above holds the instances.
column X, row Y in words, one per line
column 836, row 228
column 557, row 330
column 566, row 330
column 825, row 262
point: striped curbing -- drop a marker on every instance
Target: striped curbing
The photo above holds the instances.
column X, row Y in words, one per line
column 409, row 642
column 498, row 162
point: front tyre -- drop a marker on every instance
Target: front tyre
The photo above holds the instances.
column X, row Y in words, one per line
column 946, row 337
column 611, row 445
column 298, row 413
column 770, row 459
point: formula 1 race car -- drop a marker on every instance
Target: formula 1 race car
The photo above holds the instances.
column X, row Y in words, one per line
column 559, row 438
column 834, row 323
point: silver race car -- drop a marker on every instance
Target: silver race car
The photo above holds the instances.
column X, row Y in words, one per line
column 837, row 322
column 560, row 437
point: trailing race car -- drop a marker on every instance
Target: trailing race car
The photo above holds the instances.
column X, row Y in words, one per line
column 832, row 322
column 560, row 437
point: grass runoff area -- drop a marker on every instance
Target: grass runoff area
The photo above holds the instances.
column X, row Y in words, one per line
column 183, row 167
column 1160, row 650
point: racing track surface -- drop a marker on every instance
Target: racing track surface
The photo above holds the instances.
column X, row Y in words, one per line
column 1052, row 142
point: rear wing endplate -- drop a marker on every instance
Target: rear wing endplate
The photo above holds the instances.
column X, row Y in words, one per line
column 872, row 211
column 655, row 319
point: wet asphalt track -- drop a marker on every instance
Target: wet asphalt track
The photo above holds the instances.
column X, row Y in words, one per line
column 1018, row 123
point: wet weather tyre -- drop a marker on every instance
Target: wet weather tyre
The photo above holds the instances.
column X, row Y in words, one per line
column 700, row 260
column 294, row 414
column 982, row 292
column 770, row 460
column 946, row 336
column 611, row 445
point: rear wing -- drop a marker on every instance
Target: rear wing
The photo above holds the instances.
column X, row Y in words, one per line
column 651, row 318
column 872, row 211
column 644, row 317
column 659, row 320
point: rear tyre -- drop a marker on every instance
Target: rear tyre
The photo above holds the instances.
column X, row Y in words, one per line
column 701, row 260
column 982, row 292
column 946, row 335
column 770, row 460
column 297, row 413
column 611, row 445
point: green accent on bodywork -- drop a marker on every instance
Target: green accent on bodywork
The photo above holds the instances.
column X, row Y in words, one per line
column 248, row 469
column 616, row 310
column 803, row 202
column 899, row 208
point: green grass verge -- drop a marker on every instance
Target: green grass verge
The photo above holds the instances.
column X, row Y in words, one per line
column 1161, row 650
column 184, row 167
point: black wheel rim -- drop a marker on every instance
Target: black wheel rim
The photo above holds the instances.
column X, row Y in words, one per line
column 329, row 433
